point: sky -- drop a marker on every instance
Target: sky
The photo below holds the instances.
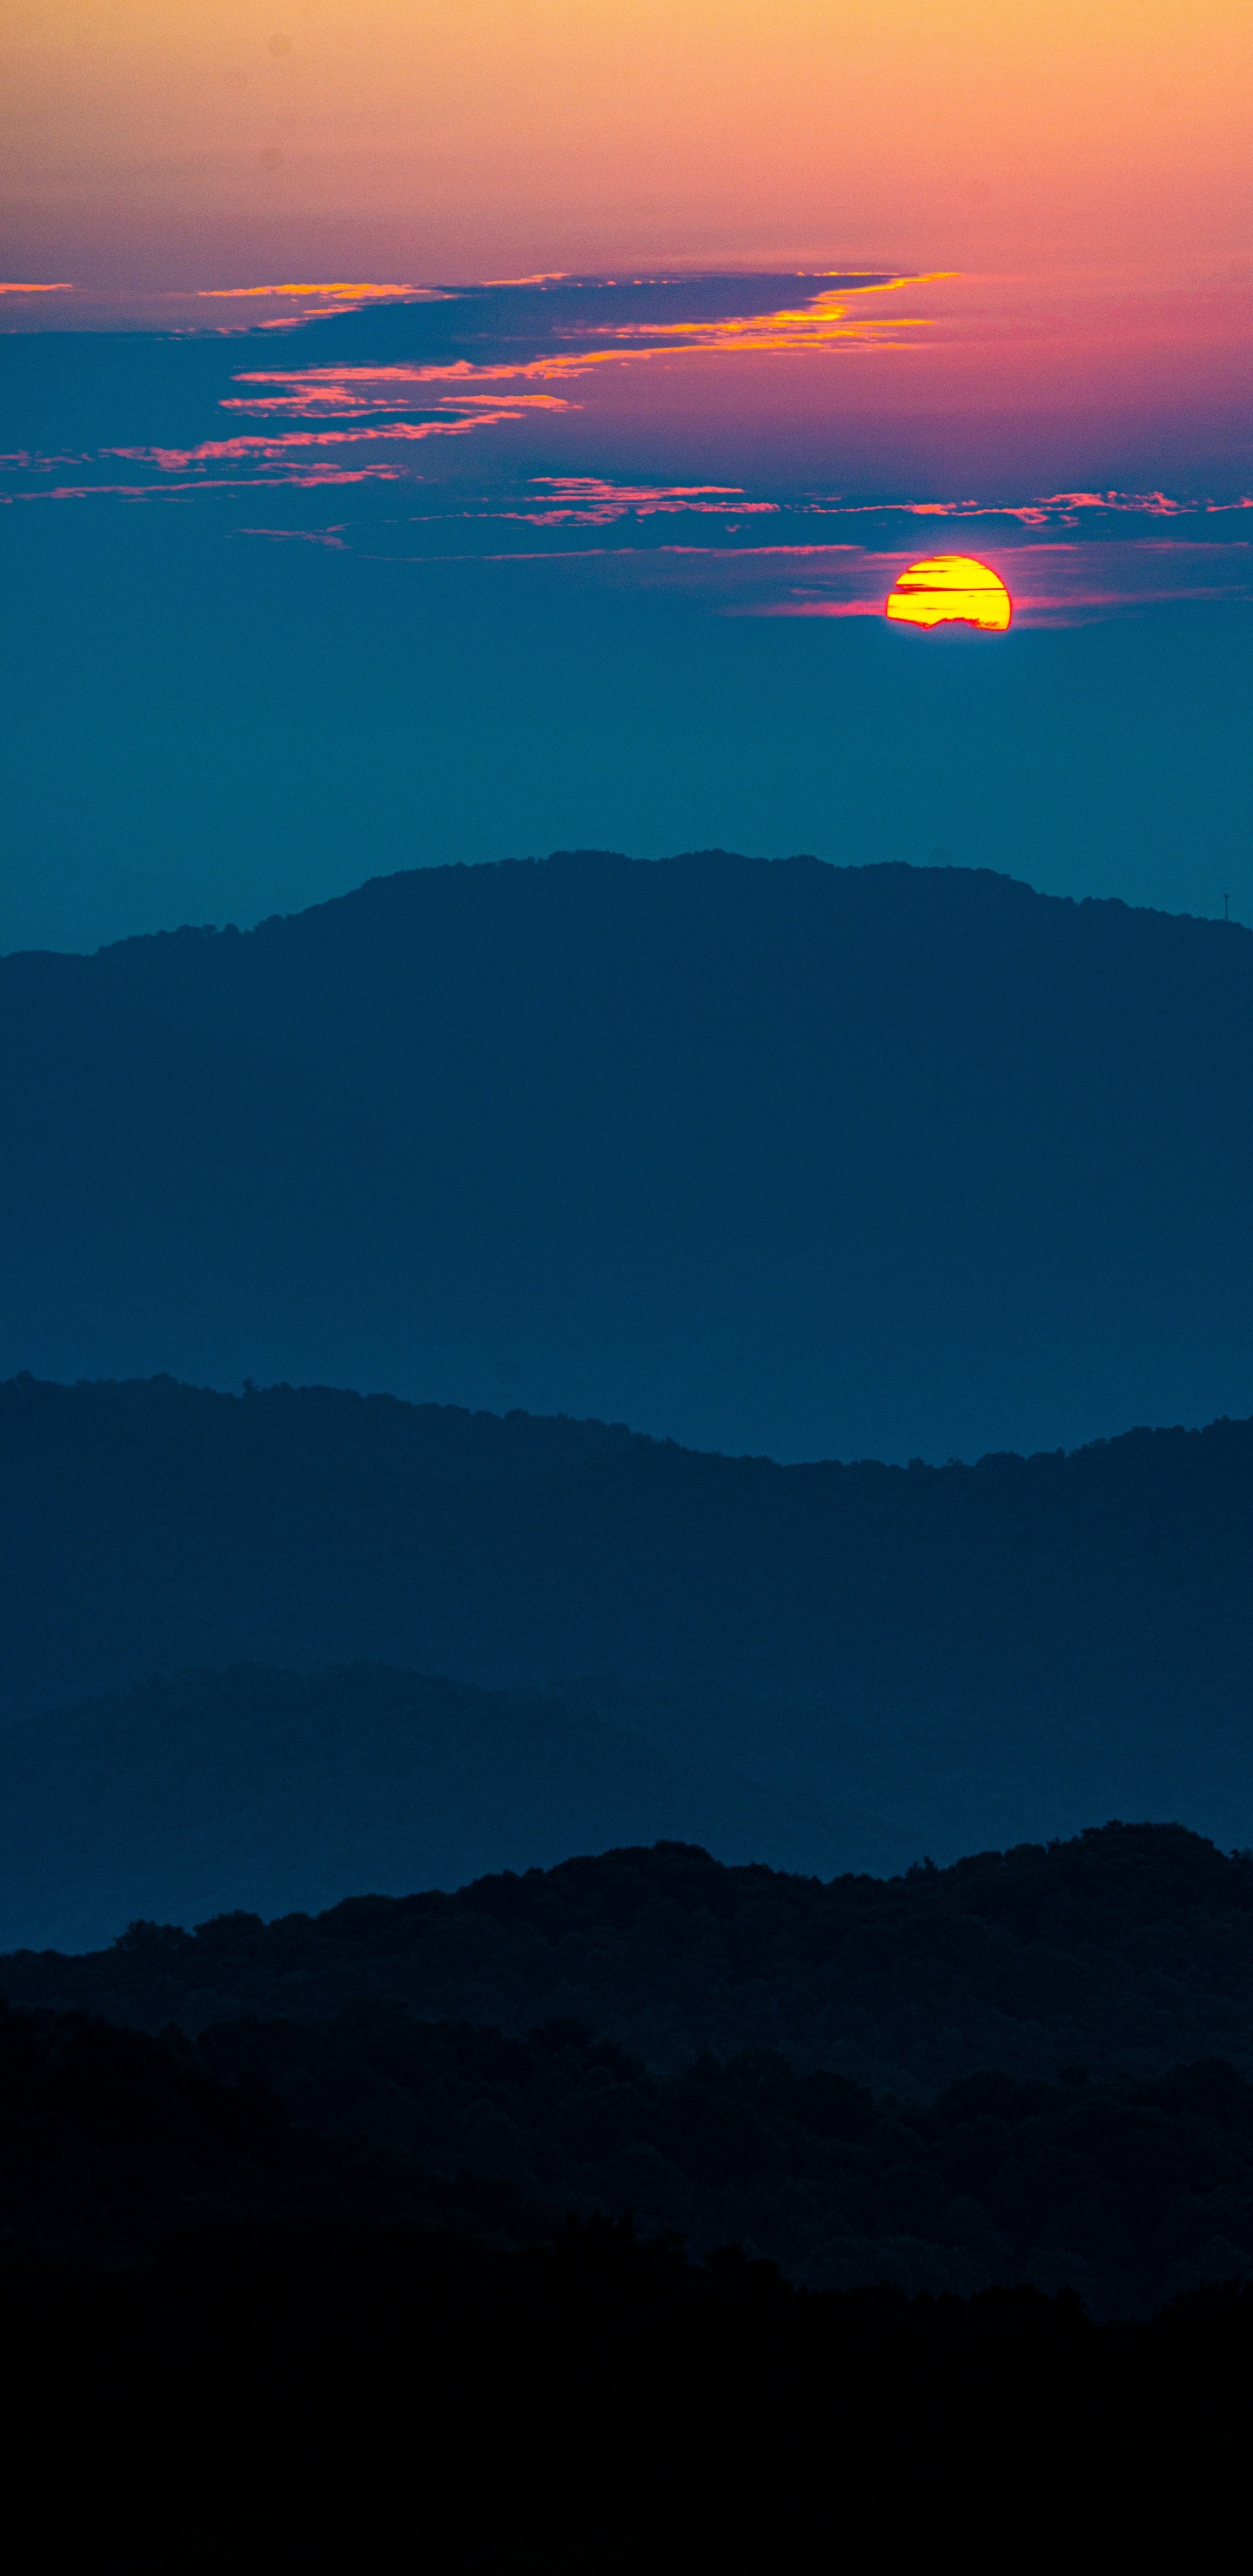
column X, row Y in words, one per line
column 456, row 432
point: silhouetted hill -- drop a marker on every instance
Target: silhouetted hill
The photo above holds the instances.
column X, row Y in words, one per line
column 905, row 1660
column 278, row 1790
column 316, row 2398
column 800, row 1159
column 111, row 2143
column 1125, row 1950
column 1128, row 2191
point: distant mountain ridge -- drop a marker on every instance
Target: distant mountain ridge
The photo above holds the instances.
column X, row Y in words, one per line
column 254, row 1788
column 772, row 1156
column 870, row 1663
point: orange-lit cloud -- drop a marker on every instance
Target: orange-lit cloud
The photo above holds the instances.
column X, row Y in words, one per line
column 23, row 286
column 336, row 290
column 816, row 329
column 821, row 328
column 949, row 590
column 337, row 295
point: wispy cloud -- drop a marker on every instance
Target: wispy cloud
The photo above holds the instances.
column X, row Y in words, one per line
column 379, row 388
column 336, row 290
column 1056, row 583
column 825, row 324
column 332, row 538
column 1051, row 584
column 331, row 295
column 290, row 446
column 25, row 286
column 1069, row 509
column 582, row 501
column 329, row 393
column 311, row 480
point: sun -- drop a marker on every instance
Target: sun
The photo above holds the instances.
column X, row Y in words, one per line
column 951, row 590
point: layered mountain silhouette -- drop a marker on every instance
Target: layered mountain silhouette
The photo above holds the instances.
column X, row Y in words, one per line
column 213, row 1609
column 1124, row 1950
column 280, row 1790
column 781, row 1157
column 111, row 2143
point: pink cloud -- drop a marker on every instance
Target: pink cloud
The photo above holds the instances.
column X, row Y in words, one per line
column 322, row 393
column 1066, row 509
column 214, row 451
column 582, row 501
column 338, row 288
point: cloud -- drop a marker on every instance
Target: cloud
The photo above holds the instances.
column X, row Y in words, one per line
column 1057, row 583
column 1053, row 584
column 311, row 479
column 438, row 363
column 332, row 538
column 290, row 446
column 328, row 393
column 818, row 328
column 338, row 295
column 582, row 501
column 335, row 288
column 1067, row 509
column 823, row 325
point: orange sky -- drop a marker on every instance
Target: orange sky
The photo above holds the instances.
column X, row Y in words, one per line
column 235, row 139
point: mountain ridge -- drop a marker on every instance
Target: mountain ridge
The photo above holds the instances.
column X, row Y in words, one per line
column 1125, row 1949
column 902, row 1660
column 770, row 1156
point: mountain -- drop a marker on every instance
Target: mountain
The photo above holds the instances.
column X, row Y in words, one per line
column 1129, row 2192
column 1123, row 1951
column 111, row 2142
column 899, row 1661
column 253, row 1788
column 777, row 1156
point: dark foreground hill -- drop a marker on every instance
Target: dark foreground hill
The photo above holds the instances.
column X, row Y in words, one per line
column 903, row 1660
column 277, row 2401
column 809, row 1160
column 1126, row 1950
column 1129, row 2191
column 111, row 2143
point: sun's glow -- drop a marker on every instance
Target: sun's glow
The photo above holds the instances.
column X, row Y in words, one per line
column 946, row 590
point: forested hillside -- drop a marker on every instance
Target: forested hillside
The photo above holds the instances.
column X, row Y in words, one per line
column 1124, row 1951
column 1128, row 2191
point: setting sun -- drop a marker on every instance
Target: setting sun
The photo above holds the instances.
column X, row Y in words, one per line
column 951, row 590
